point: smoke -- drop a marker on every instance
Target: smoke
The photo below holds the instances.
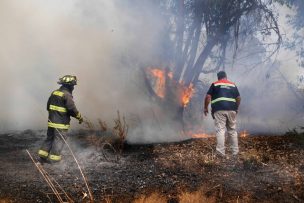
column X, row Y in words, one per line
column 271, row 98
column 104, row 43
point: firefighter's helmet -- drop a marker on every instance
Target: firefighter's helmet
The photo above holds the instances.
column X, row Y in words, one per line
column 68, row 80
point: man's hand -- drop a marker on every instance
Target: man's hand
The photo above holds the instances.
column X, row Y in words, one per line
column 207, row 102
column 206, row 111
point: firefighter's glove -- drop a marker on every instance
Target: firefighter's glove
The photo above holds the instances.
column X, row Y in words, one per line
column 80, row 120
column 79, row 117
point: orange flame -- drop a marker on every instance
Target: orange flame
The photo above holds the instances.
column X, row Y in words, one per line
column 187, row 94
column 170, row 75
column 160, row 81
column 197, row 134
column 201, row 135
column 244, row 133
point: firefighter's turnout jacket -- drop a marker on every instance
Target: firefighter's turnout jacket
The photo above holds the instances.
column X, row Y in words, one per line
column 60, row 107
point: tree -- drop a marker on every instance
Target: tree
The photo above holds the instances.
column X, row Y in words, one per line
column 202, row 29
column 296, row 43
column 200, row 32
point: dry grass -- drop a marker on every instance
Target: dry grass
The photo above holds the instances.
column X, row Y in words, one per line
column 108, row 200
column 184, row 197
column 6, row 200
column 252, row 159
column 120, row 130
column 195, row 197
column 114, row 136
column 153, row 198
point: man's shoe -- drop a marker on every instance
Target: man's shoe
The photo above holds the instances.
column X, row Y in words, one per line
column 220, row 156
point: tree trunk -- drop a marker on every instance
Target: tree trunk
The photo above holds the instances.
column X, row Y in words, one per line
column 193, row 75
column 188, row 43
column 193, row 52
column 179, row 41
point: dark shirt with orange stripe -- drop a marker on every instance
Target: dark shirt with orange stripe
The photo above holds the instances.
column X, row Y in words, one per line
column 223, row 96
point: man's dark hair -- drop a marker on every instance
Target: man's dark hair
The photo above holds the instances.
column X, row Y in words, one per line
column 221, row 75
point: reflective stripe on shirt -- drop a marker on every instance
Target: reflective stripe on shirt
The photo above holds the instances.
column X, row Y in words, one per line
column 223, row 99
column 226, row 84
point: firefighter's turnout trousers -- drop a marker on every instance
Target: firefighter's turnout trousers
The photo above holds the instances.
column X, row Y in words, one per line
column 51, row 148
column 226, row 120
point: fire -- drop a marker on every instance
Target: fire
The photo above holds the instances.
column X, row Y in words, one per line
column 197, row 134
column 244, row 133
column 160, row 85
column 170, row 75
column 160, row 81
column 201, row 135
column 187, row 94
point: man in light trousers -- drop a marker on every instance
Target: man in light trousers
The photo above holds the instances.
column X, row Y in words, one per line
column 225, row 100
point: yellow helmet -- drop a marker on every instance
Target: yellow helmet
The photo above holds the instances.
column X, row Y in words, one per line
column 68, row 80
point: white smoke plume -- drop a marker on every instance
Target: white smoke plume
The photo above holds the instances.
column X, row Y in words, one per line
column 103, row 43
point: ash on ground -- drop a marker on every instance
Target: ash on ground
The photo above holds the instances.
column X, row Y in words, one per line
column 269, row 169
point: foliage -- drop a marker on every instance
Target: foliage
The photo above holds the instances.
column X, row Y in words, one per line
column 296, row 42
column 297, row 135
column 202, row 30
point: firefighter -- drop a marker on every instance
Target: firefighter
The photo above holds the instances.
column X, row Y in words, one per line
column 61, row 107
column 225, row 100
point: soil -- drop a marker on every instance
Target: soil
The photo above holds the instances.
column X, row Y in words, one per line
column 268, row 169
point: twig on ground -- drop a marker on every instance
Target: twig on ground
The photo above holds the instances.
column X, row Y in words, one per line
column 46, row 178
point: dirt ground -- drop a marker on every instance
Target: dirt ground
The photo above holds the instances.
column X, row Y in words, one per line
column 269, row 169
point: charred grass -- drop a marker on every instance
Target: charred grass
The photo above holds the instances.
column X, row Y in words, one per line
column 268, row 169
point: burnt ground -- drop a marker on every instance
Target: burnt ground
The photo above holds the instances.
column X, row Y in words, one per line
column 269, row 169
